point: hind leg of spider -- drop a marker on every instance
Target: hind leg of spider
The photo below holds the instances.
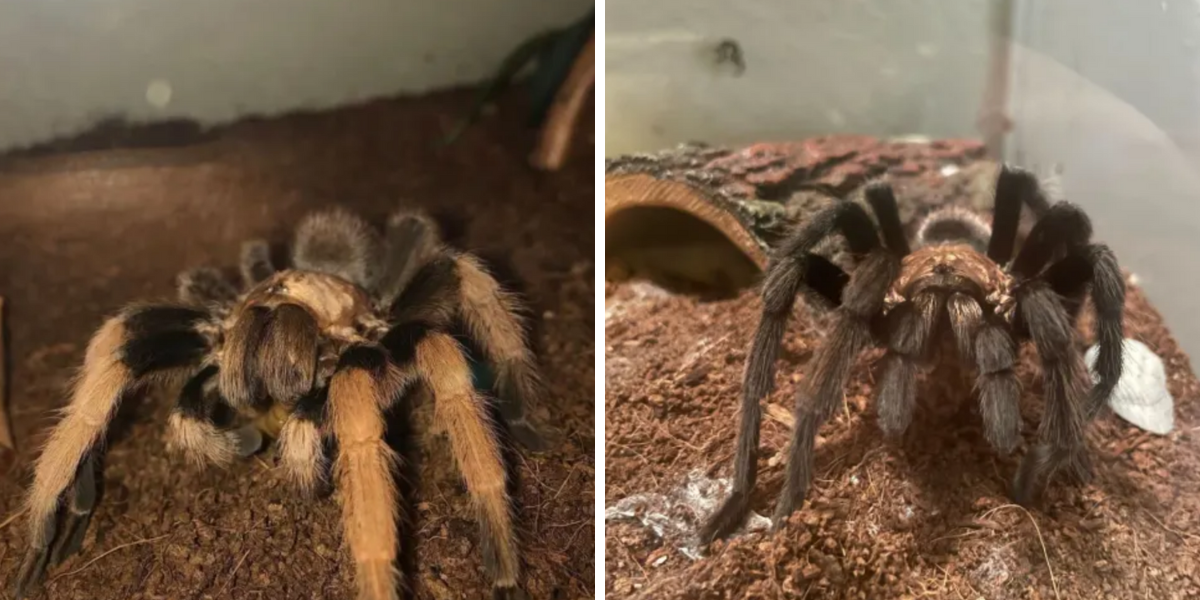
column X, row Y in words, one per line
column 1095, row 267
column 994, row 354
column 1061, row 446
column 255, row 262
column 911, row 326
column 412, row 240
column 491, row 315
column 823, row 388
column 125, row 352
column 205, row 286
column 473, row 440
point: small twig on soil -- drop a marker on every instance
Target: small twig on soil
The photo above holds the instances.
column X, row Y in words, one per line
column 945, row 583
column 121, row 547
column 14, row 517
column 641, row 456
column 1045, row 553
column 1182, row 534
column 582, row 526
column 232, row 574
column 629, row 555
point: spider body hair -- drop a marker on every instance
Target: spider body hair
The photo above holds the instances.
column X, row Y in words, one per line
column 961, row 288
column 313, row 355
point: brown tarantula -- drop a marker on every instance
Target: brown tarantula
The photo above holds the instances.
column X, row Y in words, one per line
column 313, row 355
column 960, row 275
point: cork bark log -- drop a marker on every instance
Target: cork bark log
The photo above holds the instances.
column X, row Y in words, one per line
column 751, row 195
column 556, row 135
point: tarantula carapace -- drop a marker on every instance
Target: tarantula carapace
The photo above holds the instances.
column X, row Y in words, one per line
column 313, row 355
column 960, row 284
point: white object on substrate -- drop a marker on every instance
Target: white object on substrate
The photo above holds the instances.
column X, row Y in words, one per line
column 1141, row 396
column 674, row 516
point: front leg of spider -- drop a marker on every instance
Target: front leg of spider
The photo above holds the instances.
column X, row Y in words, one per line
column 124, row 354
column 364, row 386
column 794, row 270
column 823, row 388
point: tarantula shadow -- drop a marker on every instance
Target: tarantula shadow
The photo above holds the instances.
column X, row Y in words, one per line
column 960, row 287
column 319, row 357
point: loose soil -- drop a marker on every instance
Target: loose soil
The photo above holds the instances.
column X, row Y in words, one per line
column 86, row 232
column 925, row 516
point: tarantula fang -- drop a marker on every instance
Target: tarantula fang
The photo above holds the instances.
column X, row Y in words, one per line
column 313, row 355
column 960, row 287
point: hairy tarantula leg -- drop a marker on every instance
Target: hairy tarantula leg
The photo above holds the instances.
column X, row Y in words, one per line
column 205, row 286
column 193, row 424
column 491, row 315
column 256, row 263
column 300, row 446
column 1061, row 444
column 911, row 325
column 830, row 368
column 994, row 354
column 883, row 202
column 365, row 384
column 78, row 510
column 1108, row 298
column 341, row 243
column 412, row 240
column 464, row 413
column 1063, row 229
column 122, row 354
column 1070, row 279
column 1014, row 188
column 785, row 278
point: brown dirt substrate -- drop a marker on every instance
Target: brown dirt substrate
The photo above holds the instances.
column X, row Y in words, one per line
column 83, row 233
column 926, row 516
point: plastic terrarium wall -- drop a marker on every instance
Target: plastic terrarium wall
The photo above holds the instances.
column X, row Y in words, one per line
column 1102, row 93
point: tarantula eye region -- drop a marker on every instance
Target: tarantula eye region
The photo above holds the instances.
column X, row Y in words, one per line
column 944, row 281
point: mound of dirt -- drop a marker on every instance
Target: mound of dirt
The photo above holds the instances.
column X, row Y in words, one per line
column 83, row 233
column 925, row 516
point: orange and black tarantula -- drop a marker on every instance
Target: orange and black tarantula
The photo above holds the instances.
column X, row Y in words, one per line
column 314, row 356
column 960, row 284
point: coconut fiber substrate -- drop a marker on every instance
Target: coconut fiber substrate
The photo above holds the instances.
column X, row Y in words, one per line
column 923, row 516
column 84, row 232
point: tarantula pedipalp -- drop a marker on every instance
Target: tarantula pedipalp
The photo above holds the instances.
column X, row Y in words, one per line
column 961, row 284
column 314, row 353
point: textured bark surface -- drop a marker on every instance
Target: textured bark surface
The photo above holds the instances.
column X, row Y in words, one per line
column 760, row 189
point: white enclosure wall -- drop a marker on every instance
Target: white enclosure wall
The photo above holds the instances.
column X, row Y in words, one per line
column 1106, row 92
column 812, row 67
column 64, row 64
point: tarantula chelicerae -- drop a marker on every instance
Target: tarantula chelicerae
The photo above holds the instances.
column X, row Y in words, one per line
column 960, row 284
column 313, row 355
